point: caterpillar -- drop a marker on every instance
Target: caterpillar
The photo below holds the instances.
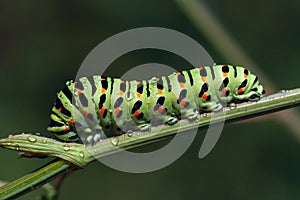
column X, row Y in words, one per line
column 100, row 106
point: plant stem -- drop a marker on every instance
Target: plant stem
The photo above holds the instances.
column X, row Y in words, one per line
column 34, row 179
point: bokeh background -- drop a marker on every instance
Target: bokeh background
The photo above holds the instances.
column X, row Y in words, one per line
column 42, row 44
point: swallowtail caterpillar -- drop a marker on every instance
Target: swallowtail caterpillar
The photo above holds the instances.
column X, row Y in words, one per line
column 111, row 106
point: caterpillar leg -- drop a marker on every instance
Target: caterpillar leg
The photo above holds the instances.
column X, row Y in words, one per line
column 211, row 106
column 193, row 116
column 171, row 120
column 92, row 138
column 217, row 107
column 63, row 136
column 89, row 134
column 60, row 129
column 144, row 127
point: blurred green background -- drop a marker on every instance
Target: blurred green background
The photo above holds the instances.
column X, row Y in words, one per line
column 44, row 42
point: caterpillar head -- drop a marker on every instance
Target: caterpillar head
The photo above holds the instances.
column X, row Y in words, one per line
column 251, row 91
column 256, row 91
column 258, row 94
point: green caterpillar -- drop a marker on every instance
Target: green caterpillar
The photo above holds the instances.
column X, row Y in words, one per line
column 100, row 106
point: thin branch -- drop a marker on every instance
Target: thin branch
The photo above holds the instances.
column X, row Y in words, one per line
column 34, row 179
column 80, row 156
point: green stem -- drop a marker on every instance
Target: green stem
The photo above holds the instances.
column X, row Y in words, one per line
column 34, row 179
column 80, row 156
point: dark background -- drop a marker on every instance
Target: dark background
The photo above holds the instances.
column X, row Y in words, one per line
column 42, row 44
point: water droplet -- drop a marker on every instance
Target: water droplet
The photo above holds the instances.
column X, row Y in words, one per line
column 67, row 148
column 232, row 106
column 31, row 139
column 283, row 91
column 81, row 154
column 204, row 115
column 114, row 141
column 17, row 147
column 129, row 134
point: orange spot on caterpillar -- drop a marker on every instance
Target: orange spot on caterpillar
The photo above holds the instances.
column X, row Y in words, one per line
column 103, row 90
column 74, row 83
column 241, row 90
column 59, row 109
column 71, row 122
column 160, row 109
column 85, row 112
column 122, row 81
column 121, row 93
column 136, row 113
column 224, row 91
column 102, row 79
column 203, row 79
column 117, row 110
column 182, row 85
column 66, row 128
column 159, row 91
column 204, row 96
column 138, row 95
column 182, row 102
column 79, row 92
column 138, row 82
column 102, row 110
column 225, row 74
